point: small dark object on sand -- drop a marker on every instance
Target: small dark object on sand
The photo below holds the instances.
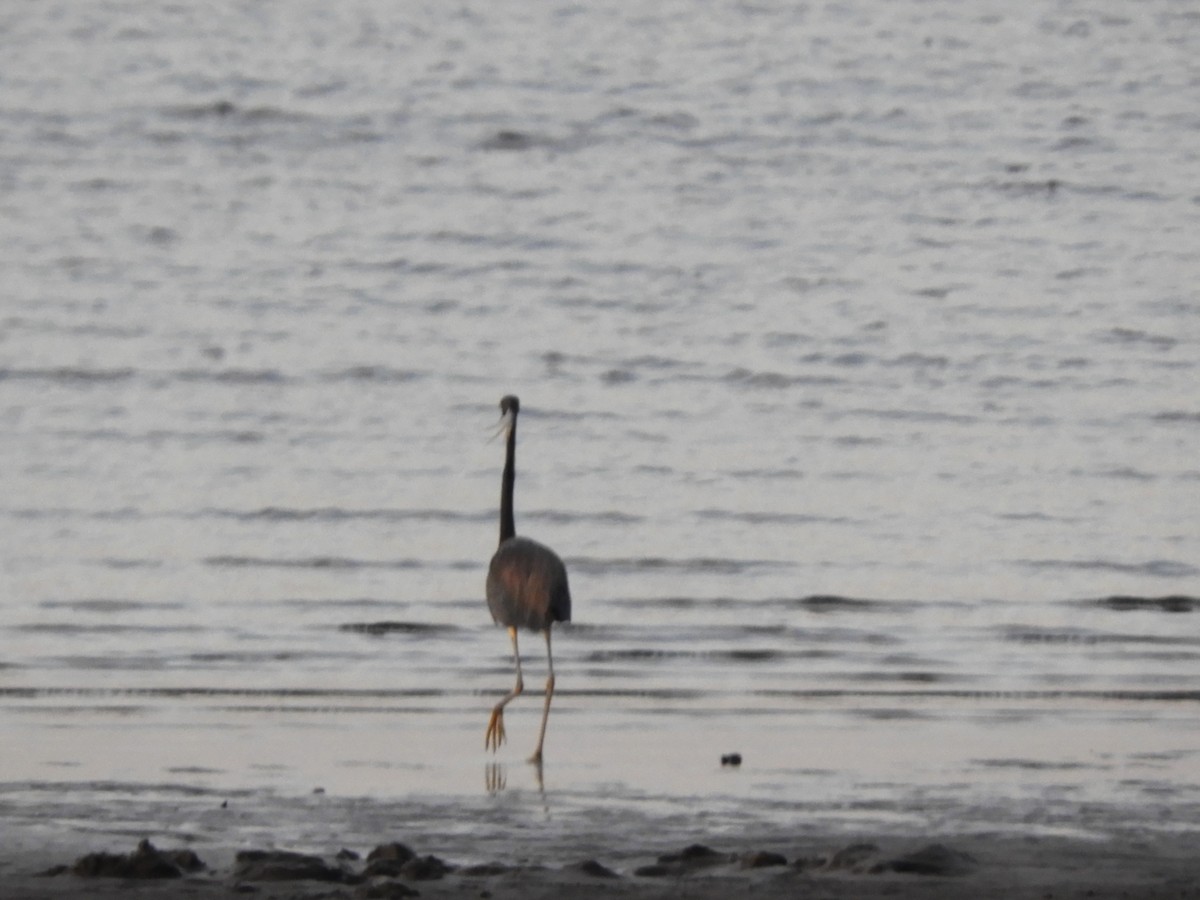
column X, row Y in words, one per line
column 145, row 862
column 731, row 759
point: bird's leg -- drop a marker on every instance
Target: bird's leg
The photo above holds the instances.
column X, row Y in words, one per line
column 495, row 731
column 537, row 754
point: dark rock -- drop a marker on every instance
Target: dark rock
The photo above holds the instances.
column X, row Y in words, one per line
column 761, row 859
column 285, row 865
column 386, row 890
column 345, row 855
column 695, row 854
column 394, row 850
column 383, row 868
column 595, row 869
column 852, row 858
column 388, row 860
column 425, row 868
column 655, row 870
column 689, row 859
column 122, row 865
column 809, row 862
column 731, row 759
column 146, row 862
column 487, row 870
column 186, row 860
column 935, row 859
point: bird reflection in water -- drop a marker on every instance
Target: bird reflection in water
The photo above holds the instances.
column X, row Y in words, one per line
column 495, row 778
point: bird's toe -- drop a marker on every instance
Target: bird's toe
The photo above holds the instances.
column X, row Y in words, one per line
column 495, row 735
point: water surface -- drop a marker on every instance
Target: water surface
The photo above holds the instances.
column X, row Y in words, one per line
column 857, row 349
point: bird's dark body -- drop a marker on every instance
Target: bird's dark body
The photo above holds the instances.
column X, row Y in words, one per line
column 527, row 586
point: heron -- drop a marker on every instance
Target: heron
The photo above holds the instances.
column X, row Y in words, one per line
column 526, row 587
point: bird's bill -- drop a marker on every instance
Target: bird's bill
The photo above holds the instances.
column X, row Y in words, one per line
column 504, row 426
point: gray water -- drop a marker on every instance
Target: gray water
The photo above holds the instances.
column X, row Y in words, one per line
column 858, row 348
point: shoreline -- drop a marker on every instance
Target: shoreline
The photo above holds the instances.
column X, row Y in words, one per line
column 1138, row 864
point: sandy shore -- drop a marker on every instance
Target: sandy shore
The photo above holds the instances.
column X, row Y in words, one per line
column 879, row 807
column 944, row 866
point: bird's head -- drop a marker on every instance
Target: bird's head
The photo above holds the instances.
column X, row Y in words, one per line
column 509, row 406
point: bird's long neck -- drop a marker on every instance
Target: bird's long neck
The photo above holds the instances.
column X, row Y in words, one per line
column 507, row 527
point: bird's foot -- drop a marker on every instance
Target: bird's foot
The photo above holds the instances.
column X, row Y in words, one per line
column 495, row 731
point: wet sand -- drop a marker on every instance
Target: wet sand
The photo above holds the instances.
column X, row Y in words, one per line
column 948, row 866
column 883, row 807
column 62, row 841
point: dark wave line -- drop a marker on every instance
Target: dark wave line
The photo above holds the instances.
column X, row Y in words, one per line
column 819, row 603
column 391, row 627
column 177, row 693
column 73, row 375
column 1173, row 603
column 340, row 514
column 608, row 517
column 644, row 654
column 82, row 376
column 230, row 376
column 310, row 562
column 776, row 380
column 103, row 628
column 126, row 788
column 1168, row 696
column 770, row 518
column 1174, row 416
column 593, row 565
column 916, row 415
column 1037, row 765
column 65, row 512
column 105, row 605
column 378, row 374
column 162, row 435
column 1033, row 635
column 228, row 110
column 1159, row 568
column 912, row 693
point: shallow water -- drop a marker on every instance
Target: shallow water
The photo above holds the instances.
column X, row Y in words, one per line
column 858, row 356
